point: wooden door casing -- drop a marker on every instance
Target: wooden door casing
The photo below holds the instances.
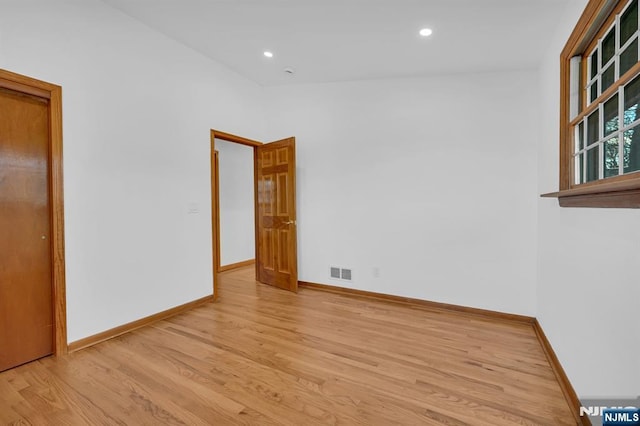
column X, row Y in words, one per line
column 215, row 195
column 26, row 293
column 276, row 258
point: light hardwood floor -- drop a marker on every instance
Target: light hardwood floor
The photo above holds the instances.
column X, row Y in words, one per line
column 265, row 356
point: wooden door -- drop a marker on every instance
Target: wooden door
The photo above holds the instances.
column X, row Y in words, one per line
column 276, row 248
column 26, row 308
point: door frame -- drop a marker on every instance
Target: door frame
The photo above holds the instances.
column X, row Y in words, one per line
column 215, row 199
column 52, row 92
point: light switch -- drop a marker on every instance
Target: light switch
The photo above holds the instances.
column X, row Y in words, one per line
column 193, row 208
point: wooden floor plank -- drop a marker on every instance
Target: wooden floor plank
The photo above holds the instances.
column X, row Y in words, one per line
column 265, row 356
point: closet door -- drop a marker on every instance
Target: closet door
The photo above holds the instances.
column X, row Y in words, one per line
column 26, row 306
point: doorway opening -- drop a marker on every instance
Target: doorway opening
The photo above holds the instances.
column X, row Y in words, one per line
column 274, row 205
column 217, row 135
column 236, row 205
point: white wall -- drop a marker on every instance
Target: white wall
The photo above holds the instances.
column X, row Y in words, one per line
column 237, row 224
column 433, row 181
column 588, row 288
column 137, row 112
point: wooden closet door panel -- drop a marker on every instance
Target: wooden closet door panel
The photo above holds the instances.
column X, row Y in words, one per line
column 26, row 313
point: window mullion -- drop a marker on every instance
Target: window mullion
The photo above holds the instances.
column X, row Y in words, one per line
column 600, row 144
column 584, row 169
column 617, row 51
column 621, row 131
column 576, row 154
column 599, row 69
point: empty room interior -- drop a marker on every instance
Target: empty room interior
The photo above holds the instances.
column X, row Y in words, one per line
column 318, row 212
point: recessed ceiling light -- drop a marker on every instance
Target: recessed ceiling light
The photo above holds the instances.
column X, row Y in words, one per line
column 268, row 54
column 426, row 32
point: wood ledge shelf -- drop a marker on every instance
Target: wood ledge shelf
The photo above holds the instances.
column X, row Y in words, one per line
column 622, row 194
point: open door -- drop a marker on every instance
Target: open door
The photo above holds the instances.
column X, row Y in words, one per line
column 276, row 248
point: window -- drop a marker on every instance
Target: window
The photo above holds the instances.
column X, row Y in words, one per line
column 600, row 116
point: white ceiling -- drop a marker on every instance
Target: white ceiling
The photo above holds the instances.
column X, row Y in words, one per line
column 335, row 40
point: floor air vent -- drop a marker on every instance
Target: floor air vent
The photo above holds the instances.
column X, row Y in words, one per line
column 335, row 272
column 340, row 273
column 346, row 274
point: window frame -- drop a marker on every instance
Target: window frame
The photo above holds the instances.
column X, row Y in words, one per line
column 622, row 191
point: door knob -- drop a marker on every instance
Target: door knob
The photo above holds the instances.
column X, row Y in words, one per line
column 43, row 237
column 291, row 222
